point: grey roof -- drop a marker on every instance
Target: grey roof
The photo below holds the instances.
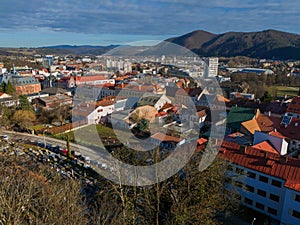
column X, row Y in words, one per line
column 20, row 81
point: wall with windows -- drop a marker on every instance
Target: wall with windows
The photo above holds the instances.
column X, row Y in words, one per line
column 263, row 193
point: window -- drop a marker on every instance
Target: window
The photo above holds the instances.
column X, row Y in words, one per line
column 274, row 197
column 250, row 174
column 240, row 171
column 238, row 184
column 248, row 201
column 276, row 183
column 263, row 179
column 296, row 214
column 259, row 206
column 272, row 211
column 297, row 198
column 249, row 188
column 230, row 167
column 261, row 193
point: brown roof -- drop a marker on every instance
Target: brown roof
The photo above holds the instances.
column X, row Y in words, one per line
column 265, row 123
column 260, row 123
column 294, row 106
column 166, row 138
column 291, row 131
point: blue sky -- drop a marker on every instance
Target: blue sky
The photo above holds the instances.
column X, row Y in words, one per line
column 35, row 23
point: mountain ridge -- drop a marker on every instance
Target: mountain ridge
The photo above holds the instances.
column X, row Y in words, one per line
column 262, row 44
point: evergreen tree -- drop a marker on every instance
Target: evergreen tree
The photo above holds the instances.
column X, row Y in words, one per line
column 24, row 103
column 8, row 88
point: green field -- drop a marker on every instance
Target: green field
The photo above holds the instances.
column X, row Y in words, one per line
column 88, row 135
column 281, row 91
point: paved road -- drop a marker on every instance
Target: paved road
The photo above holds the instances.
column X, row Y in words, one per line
column 102, row 157
column 78, row 148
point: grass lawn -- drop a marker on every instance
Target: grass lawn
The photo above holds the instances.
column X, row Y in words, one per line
column 283, row 90
column 88, row 135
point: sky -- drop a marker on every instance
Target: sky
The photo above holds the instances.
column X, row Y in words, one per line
column 36, row 23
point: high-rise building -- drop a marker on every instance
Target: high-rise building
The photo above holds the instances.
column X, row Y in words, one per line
column 211, row 67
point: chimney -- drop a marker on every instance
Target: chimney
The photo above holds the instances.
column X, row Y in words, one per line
column 269, row 113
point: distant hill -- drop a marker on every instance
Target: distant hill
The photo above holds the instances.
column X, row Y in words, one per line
column 264, row 44
column 78, row 50
column 269, row 44
column 58, row 50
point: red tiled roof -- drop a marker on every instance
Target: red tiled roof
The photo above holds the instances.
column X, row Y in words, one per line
column 272, row 164
column 293, row 184
column 265, row 146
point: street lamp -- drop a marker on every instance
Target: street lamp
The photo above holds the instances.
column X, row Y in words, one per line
column 253, row 221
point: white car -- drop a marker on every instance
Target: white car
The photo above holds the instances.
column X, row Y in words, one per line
column 5, row 137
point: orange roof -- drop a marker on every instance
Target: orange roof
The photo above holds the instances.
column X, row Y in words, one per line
column 277, row 134
column 265, row 146
column 163, row 137
column 294, row 106
column 201, row 141
column 90, row 78
column 251, row 126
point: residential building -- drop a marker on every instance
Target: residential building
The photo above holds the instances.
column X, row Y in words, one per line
column 263, row 181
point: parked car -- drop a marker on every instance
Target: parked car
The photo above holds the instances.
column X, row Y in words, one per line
column 5, row 137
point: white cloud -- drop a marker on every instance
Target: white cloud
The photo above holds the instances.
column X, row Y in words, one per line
column 150, row 17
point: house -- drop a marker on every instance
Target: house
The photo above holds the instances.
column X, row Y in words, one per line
column 92, row 112
column 262, row 181
column 270, row 142
column 238, row 115
column 7, row 100
column 260, row 122
column 155, row 100
column 54, row 101
column 291, row 131
column 164, row 141
column 234, row 95
column 23, row 85
column 276, row 108
column 212, row 100
column 92, row 80
column 293, row 109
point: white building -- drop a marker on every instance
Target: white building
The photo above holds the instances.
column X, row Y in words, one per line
column 265, row 182
column 211, row 67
